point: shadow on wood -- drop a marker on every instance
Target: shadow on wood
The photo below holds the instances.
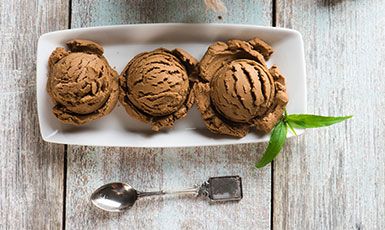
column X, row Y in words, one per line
column 190, row 13
column 327, row 3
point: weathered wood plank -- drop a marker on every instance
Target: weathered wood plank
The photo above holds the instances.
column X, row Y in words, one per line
column 89, row 167
column 153, row 169
column 334, row 178
column 31, row 171
column 96, row 13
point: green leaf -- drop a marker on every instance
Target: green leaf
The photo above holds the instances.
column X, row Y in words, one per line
column 291, row 128
column 277, row 140
column 304, row 121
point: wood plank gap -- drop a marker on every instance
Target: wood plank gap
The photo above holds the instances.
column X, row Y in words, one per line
column 69, row 14
column 65, row 169
column 274, row 24
column 64, row 186
column 274, row 13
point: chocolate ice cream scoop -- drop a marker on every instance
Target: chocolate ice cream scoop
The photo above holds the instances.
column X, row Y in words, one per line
column 81, row 83
column 242, row 90
column 155, row 86
column 237, row 90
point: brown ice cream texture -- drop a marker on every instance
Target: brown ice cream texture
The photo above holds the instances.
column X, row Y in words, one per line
column 155, row 87
column 237, row 90
column 81, row 83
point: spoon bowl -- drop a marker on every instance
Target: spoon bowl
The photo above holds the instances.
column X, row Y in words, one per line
column 114, row 197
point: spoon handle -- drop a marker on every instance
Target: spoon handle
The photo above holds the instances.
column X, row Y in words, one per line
column 194, row 189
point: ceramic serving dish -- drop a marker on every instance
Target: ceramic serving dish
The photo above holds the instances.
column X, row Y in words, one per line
column 121, row 43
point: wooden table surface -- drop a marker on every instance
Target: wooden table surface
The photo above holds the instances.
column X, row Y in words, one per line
column 332, row 178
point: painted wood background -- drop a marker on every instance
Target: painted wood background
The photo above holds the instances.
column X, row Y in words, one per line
column 331, row 178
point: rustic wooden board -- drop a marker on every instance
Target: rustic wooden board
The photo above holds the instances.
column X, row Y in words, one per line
column 31, row 171
column 90, row 167
column 330, row 178
column 334, row 178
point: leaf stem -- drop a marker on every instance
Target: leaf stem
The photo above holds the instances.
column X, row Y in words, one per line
column 291, row 128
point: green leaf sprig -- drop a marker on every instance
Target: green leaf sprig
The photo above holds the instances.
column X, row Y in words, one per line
column 301, row 121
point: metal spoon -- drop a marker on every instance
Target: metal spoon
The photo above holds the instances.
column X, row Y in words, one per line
column 118, row 196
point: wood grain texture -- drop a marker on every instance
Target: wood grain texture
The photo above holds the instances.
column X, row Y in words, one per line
column 334, row 178
column 31, row 171
column 96, row 13
column 89, row 167
column 154, row 169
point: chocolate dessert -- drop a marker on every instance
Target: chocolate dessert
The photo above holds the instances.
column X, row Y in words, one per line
column 237, row 90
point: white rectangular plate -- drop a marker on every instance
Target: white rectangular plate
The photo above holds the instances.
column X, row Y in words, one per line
column 121, row 43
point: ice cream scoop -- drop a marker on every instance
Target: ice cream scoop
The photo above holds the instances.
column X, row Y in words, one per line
column 237, row 90
column 156, row 86
column 81, row 83
column 242, row 90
